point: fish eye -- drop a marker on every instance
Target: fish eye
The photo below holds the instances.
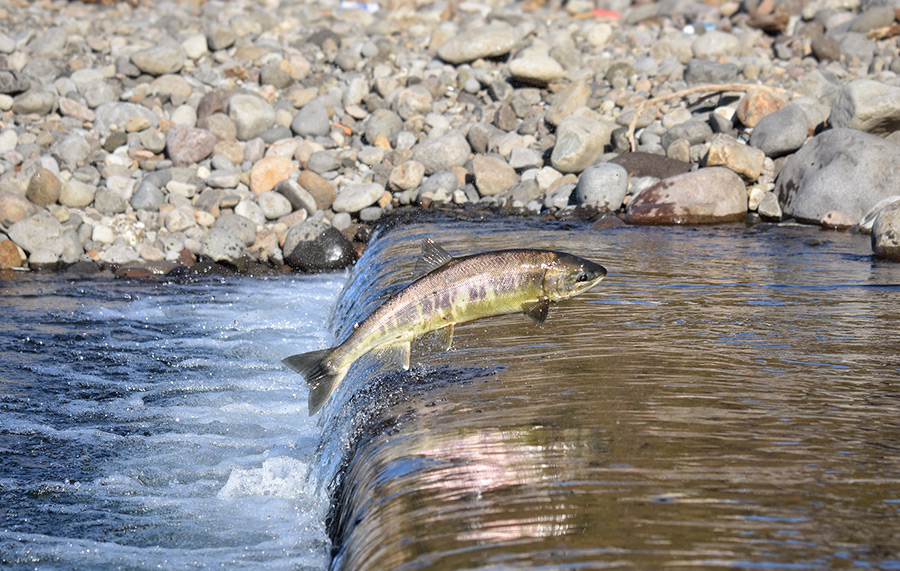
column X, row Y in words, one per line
column 582, row 277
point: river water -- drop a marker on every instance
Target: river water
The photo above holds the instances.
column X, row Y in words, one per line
column 726, row 397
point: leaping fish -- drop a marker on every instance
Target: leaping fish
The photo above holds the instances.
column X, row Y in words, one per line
column 451, row 290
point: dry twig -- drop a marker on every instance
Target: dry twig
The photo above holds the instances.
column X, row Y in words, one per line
column 705, row 88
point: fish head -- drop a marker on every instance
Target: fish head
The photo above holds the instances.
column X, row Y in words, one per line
column 570, row 275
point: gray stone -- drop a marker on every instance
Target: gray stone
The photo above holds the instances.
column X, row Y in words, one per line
column 161, row 59
column 298, row 197
column 49, row 43
column 220, row 38
column 842, row 170
column 567, row 101
column 148, row 196
column 383, row 122
column 443, row 153
column 99, row 92
column 73, row 151
column 714, row 44
column 108, row 201
column 273, row 205
column 706, row 196
column 407, row 175
column 536, row 69
column 241, row 227
column 489, row 41
column 493, row 175
column 76, row 194
column 37, row 101
column 886, row 233
column 781, row 132
column 13, row 82
column 867, row 105
column 874, row 17
column 696, row 131
column 223, row 246
column 413, row 101
column 602, row 186
column 355, row 197
column 580, row 140
column 322, row 162
column 525, row 158
column 856, row 48
column 312, row 120
column 273, row 75
column 119, row 254
column 188, row 145
column 370, row 213
column 251, row 114
column 119, row 114
column 41, row 231
column 706, row 71
column 768, row 208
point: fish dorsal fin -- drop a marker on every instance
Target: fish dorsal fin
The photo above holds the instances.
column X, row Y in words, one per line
column 537, row 310
column 433, row 256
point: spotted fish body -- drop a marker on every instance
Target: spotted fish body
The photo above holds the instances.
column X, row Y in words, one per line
column 452, row 290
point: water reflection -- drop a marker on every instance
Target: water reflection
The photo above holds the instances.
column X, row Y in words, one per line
column 727, row 397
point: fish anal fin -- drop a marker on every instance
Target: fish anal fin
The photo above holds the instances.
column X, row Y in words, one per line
column 397, row 354
column 537, row 310
column 433, row 256
column 445, row 336
column 320, row 375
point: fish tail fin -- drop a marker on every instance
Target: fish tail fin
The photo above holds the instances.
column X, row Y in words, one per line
column 321, row 375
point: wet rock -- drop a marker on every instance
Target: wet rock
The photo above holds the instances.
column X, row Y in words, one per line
column 355, row 197
column 493, row 175
column 781, row 132
column 489, row 41
column 223, row 246
column 44, row 187
column 443, row 153
column 726, row 151
column 251, row 115
column 160, row 60
column 602, row 186
column 867, row 105
column 188, row 145
column 329, row 251
column 640, row 164
column 580, row 140
column 843, row 170
column 886, row 233
column 709, row 195
column 9, row 255
column 269, row 171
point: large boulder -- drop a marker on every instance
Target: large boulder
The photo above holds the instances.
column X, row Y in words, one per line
column 707, row 196
column 841, row 170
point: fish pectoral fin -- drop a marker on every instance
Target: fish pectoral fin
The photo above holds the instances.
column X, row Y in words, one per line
column 537, row 310
column 445, row 336
column 397, row 354
column 433, row 257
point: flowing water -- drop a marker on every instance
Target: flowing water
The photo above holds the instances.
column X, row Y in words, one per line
column 726, row 397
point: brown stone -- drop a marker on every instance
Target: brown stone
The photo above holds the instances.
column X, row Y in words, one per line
column 44, row 187
column 756, row 104
column 322, row 190
column 9, row 255
column 269, row 171
column 707, row 196
column 14, row 207
column 728, row 152
column 640, row 164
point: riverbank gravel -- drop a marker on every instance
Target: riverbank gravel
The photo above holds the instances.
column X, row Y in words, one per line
column 263, row 133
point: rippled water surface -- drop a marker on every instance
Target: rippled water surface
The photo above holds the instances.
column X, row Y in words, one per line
column 153, row 426
column 727, row 397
